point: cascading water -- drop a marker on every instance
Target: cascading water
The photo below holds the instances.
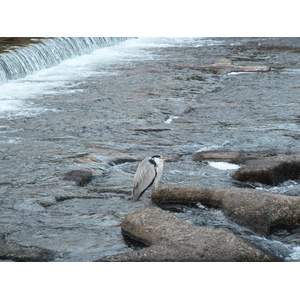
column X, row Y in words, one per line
column 23, row 61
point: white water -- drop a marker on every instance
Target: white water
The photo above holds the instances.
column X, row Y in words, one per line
column 170, row 119
column 295, row 255
column 223, row 165
column 18, row 62
column 16, row 95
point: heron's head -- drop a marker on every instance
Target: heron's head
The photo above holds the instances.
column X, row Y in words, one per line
column 160, row 158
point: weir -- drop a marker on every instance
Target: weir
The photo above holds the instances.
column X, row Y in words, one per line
column 23, row 61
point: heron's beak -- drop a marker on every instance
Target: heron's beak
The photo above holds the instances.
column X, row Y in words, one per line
column 165, row 158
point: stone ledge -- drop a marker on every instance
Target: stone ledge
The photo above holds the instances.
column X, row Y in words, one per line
column 258, row 210
column 172, row 239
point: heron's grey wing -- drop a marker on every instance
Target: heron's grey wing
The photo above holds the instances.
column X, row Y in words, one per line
column 143, row 178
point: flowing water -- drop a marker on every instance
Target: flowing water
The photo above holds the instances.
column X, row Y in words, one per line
column 20, row 62
column 106, row 107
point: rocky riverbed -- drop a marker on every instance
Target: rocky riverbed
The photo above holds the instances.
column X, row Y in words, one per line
column 67, row 170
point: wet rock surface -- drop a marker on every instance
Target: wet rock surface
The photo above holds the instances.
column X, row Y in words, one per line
column 260, row 211
column 235, row 157
column 107, row 124
column 15, row 252
column 265, row 167
column 271, row 170
column 227, row 65
column 81, row 177
column 172, row 239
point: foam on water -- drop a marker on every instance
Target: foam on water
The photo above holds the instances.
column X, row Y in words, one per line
column 11, row 105
column 170, row 119
column 295, row 255
column 223, row 165
column 289, row 187
column 239, row 73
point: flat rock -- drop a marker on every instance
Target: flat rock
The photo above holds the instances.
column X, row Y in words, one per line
column 235, row 157
column 172, row 239
column 226, row 64
column 227, row 156
column 258, row 210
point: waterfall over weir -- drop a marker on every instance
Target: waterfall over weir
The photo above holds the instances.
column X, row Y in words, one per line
column 23, row 61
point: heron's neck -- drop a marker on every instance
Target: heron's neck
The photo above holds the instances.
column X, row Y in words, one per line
column 159, row 170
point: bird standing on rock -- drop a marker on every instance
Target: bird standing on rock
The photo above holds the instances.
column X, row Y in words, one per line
column 147, row 173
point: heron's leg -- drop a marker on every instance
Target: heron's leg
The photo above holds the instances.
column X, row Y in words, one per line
column 146, row 201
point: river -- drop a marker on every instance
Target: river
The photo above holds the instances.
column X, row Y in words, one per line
column 106, row 110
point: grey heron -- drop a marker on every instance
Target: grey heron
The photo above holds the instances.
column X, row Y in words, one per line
column 147, row 173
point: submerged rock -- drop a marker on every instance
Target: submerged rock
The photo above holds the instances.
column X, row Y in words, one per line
column 226, row 64
column 16, row 252
column 81, row 177
column 172, row 239
column 258, row 210
column 121, row 160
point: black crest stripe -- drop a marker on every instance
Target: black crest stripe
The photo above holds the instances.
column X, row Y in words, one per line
column 152, row 161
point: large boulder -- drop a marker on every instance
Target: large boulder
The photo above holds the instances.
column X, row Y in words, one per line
column 260, row 211
column 265, row 167
column 172, row 239
column 270, row 170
